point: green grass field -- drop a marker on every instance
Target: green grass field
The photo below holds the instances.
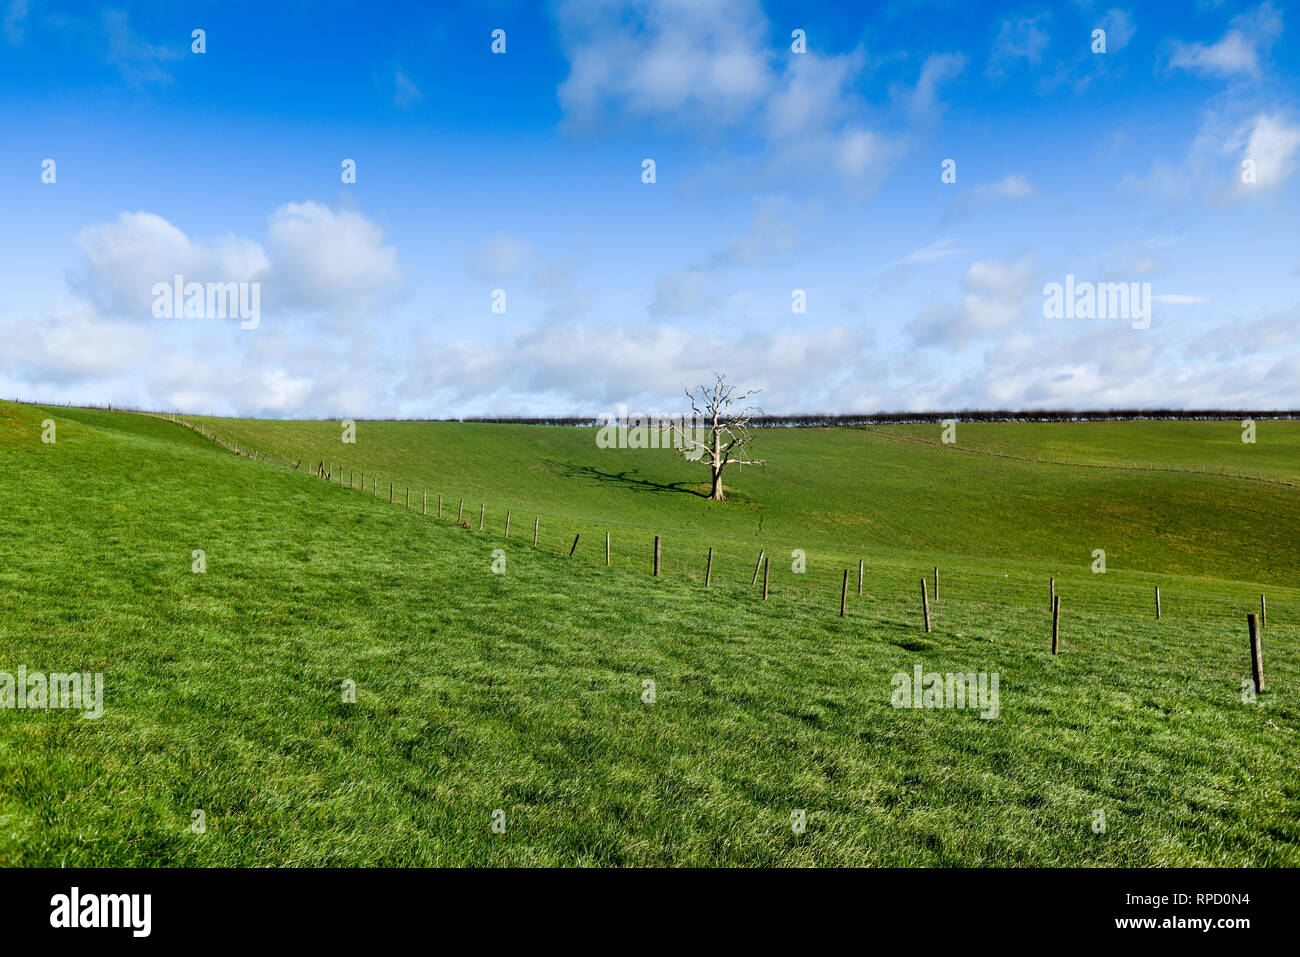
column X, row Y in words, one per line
column 523, row 691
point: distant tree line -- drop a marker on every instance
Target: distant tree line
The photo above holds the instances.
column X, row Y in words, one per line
column 812, row 420
column 808, row 420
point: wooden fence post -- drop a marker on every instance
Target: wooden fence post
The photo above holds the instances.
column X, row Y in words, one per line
column 607, row 549
column 408, row 497
column 656, row 556
column 765, row 563
column 350, row 483
column 536, row 522
column 1056, row 622
column 440, row 505
column 844, row 592
column 757, row 565
column 936, row 582
column 859, row 578
column 424, row 503
column 1051, row 594
column 575, row 544
column 1157, row 602
column 460, row 511
column 481, row 510
column 1263, row 611
column 1256, row 653
column 925, row 607
column 708, row 568
column 507, row 523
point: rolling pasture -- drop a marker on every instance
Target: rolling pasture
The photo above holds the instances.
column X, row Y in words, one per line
column 525, row 691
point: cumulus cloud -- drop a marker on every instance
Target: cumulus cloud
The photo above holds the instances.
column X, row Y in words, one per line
column 707, row 64
column 1253, row 363
column 124, row 259
column 1272, row 145
column 663, row 57
column 586, row 369
column 996, row 295
column 1230, row 134
column 332, row 260
column 1239, row 51
column 316, row 259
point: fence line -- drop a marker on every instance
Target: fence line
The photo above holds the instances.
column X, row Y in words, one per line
column 883, row 581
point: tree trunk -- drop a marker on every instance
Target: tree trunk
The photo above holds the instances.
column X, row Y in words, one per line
column 717, row 494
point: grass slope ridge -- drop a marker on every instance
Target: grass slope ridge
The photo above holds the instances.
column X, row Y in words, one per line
column 839, row 492
column 522, row 691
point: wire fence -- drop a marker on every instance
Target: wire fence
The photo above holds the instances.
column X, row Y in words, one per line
column 769, row 568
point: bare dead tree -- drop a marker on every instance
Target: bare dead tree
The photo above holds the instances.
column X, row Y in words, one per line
column 722, row 436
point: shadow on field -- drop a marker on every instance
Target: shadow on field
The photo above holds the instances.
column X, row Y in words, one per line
column 627, row 479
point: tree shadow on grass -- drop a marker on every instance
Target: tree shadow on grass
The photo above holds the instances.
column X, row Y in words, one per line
column 628, row 479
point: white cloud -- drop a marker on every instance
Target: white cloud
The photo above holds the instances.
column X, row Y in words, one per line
column 1179, row 299
column 1119, row 30
column 1230, row 133
column 774, row 232
column 1020, row 39
column 1014, row 187
column 922, row 100
column 1246, row 364
column 707, row 64
column 1239, row 51
column 335, row 261
column 138, row 60
column 662, row 57
column 811, row 95
column 936, row 251
column 996, row 295
column 586, row 369
column 126, row 258
column 315, row 259
column 1273, row 145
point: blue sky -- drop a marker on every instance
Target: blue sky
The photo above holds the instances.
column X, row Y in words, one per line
column 775, row 171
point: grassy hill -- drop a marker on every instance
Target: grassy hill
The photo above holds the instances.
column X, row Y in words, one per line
column 523, row 691
column 839, row 493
